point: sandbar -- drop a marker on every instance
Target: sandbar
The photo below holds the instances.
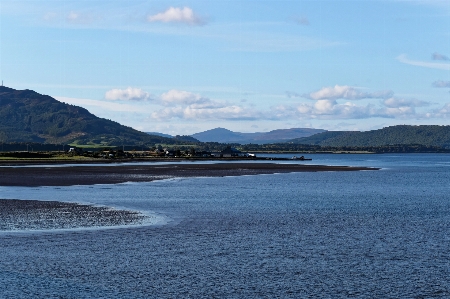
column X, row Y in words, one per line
column 67, row 175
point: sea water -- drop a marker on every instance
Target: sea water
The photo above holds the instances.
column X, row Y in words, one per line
column 366, row 234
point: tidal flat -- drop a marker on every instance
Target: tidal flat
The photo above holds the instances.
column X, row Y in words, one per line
column 68, row 175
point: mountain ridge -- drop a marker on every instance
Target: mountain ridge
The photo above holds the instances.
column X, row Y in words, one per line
column 432, row 135
column 223, row 135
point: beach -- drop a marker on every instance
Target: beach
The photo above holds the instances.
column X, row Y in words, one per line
column 35, row 214
column 68, row 175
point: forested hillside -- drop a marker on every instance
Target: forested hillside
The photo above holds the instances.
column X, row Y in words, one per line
column 430, row 135
column 27, row 116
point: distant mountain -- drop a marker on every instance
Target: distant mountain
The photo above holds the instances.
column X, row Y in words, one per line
column 431, row 135
column 284, row 135
column 159, row 134
column 218, row 135
column 27, row 116
column 222, row 135
column 183, row 138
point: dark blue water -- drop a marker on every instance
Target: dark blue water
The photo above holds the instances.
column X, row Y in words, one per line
column 370, row 234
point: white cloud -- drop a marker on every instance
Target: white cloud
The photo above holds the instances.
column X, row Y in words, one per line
column 324, row 106
column 434, row 65
column 304, row 109
column 345, row 92
column 190, row 106
column 398, row 112
column 329, row 109
column 177, row 15
column 128, row 94
column 328, row 105
column 180, row 97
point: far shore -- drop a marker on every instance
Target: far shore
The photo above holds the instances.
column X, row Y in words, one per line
column 42, row 175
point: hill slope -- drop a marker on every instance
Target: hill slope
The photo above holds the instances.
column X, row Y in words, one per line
column 27, row 116
column 432, row 135
column 226, row 136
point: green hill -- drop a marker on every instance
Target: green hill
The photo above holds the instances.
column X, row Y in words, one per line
column 429, row 135
column 27, row 116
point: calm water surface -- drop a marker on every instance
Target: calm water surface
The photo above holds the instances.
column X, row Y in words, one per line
column 369, row 234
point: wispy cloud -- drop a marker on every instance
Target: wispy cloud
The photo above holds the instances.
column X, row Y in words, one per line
column 292, row 94
column 434, row 65
column 441, row 83
column 345, row 92
column 103, row 105
column 183, row 15
column 444, row 111
column 128, row 94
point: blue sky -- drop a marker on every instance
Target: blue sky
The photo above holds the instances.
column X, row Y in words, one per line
column 181, row 67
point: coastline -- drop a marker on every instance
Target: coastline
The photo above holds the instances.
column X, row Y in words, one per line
column 43, row 175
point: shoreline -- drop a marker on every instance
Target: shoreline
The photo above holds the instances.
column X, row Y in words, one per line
column 43, row 175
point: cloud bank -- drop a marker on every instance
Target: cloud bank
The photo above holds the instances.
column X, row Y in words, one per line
column 328, row 103
column 334, row 102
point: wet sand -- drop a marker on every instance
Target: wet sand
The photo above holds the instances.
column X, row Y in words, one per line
column 43, row 215
column 32, row 214
column 42, row 175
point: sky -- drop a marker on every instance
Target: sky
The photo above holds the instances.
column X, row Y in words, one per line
column 182, row 67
